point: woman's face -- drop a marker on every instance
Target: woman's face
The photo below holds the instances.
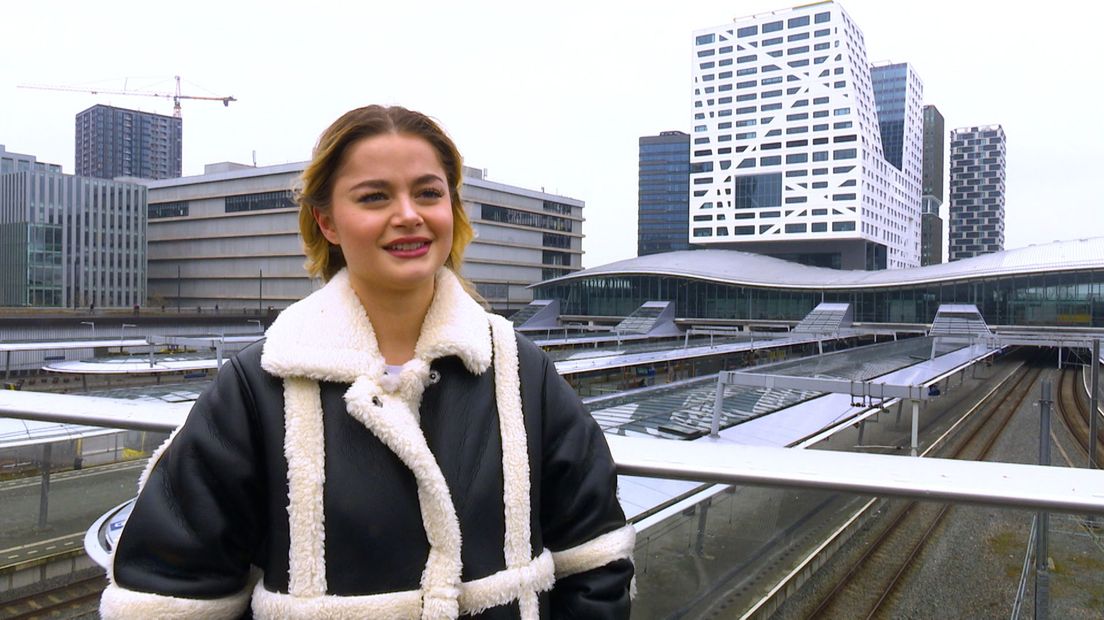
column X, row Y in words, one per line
column 391, row 214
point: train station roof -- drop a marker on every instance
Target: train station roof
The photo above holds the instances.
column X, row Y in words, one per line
column 744, row 268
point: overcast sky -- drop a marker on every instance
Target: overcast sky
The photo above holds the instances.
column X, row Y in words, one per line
column 551, row 95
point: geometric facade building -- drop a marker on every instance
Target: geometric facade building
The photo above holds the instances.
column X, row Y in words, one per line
column 786, row 149
column 116, row 142
column 931, row 224
column 230, row 238
column 978, row 170
column 68, row 241
column 664, row 192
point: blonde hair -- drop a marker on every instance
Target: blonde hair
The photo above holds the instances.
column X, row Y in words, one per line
column 316, row 189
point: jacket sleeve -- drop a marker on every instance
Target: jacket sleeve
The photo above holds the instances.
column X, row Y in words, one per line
column 186, row 548
column 581, row 519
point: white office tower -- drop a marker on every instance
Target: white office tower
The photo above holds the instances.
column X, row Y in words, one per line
column 786, row 154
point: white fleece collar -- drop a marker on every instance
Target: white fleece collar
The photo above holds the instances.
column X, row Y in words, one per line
column 327, row 336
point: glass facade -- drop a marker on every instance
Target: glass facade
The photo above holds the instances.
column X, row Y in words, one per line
column 1073, row 298
column 664, row 193
column 890, row 85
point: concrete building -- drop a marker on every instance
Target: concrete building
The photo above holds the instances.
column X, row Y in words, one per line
column 787, row 156
column 69, row 241
column 230, row 237
column 977, row 191
column 931, row 223
column 116, row 142
column 17, row 162
column 664, row 192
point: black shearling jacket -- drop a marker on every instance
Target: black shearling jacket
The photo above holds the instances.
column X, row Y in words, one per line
column 471, row 483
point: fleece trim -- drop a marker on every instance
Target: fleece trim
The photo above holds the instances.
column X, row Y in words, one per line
column 117, row 602
column 515, row 457
column 327, row 335
column 304, row 449
column 394, row 420
column 474, row 597
column 155, row 458
column 597, row 552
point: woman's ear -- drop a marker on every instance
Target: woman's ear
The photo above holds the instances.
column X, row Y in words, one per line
column 326, row 225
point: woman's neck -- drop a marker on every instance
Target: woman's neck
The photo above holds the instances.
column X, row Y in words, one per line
column 397, row 320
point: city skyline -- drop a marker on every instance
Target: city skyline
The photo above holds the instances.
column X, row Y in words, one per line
column 546, row 98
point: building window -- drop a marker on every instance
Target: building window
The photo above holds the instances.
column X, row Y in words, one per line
column 168, row 209
column 504, row 215
column 772, row 27
column 821, row 18
column 747, row 31
column 755, row 191
column 553, row 240
column 260, row 201
column 843, row 226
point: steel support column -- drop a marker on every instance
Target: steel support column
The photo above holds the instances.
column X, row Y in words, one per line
column 915, row 426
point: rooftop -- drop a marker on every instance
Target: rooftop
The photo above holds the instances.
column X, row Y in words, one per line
column 744, row 268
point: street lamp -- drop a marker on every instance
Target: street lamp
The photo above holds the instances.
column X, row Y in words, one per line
column 91, row 324
column 260, row 327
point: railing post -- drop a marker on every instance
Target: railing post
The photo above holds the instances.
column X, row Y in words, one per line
column 1042, row 574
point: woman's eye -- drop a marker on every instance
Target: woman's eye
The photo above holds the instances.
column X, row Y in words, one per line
column 372, row 197
column 431, row 193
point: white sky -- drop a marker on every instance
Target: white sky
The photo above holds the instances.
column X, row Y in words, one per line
column 552, row 94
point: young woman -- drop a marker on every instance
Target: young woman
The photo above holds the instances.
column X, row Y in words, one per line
column 391, row 450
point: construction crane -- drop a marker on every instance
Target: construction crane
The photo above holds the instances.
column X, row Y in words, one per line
column 176, row 97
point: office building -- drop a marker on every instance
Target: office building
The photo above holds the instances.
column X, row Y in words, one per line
column 786, row 154
column 18, row 162
column 230, row 237
column 931, row 223
column 116, row 142
column 664, row 193
column 69, row 241
column 977, row 191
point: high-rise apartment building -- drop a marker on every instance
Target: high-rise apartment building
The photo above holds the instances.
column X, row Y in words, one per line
column 931, row 224
column 787, row 156
column 116, row 142
column 68, row 241
column 664, row 192
column 977, row 191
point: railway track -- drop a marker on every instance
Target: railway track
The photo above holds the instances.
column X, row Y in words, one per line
column 866, row 589
column 77, row 599
column 1075, row 412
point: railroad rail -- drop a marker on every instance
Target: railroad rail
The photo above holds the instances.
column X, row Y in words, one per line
column 78, row 598
column 865, row 589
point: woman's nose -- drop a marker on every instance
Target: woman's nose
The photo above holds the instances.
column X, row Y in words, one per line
column 406, row 213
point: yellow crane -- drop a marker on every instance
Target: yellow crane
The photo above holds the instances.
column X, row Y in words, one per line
column 176, row 96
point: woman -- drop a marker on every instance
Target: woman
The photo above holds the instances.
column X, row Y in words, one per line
column 391, row 450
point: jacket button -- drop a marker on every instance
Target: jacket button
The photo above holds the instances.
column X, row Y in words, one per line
column 434, row 376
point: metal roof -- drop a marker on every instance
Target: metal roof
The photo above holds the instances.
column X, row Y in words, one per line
column 743, row 268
